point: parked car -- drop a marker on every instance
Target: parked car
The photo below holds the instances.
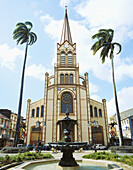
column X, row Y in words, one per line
column 87, row 147
column 100, row 147
column 20, row 145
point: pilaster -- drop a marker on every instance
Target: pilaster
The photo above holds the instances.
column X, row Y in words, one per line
column 45, row 105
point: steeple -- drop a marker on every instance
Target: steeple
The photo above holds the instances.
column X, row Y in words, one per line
column 66, row 33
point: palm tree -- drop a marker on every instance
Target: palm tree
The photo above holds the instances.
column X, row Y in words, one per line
column 104, row 42
column 22, row 34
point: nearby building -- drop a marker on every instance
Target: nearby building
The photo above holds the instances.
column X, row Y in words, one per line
column 66, row 93
column 4, row 130
column 8, row 121
column 127, row 126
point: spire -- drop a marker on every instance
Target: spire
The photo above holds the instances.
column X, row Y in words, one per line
column 66, row 33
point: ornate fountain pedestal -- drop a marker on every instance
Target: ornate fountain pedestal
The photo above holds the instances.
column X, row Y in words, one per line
column 67, row 147
column 67, row 159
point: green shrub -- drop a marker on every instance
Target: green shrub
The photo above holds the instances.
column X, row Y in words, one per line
column 112, row 157
column 7, row 157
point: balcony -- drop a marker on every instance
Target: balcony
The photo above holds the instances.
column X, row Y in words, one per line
column 5, row 136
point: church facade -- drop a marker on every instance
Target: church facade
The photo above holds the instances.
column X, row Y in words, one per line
column 70, row 91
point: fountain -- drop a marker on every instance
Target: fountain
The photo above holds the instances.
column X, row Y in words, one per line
column 67, row 147
column 67, row 161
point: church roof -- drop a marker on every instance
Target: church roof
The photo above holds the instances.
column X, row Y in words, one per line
column 66, row 33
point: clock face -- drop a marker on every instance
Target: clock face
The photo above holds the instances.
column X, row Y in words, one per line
column 66, row 45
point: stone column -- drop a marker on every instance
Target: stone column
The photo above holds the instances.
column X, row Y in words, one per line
column 106, row 130
column 27, row 122
column 88, row 104
column 45, row 105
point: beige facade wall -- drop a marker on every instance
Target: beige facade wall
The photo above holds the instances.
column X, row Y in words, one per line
column 31, row 121
column 81, row 103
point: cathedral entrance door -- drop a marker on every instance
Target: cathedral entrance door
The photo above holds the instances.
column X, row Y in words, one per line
column 36, row 134
column 98, row 135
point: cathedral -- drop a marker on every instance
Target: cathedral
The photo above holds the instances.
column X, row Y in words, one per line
column 67, row 90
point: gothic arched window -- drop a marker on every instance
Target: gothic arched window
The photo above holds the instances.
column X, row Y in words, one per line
column 63, row 59
column 95, row 110
column 33, row 112
column 62, row 79
column 37, row 112
column 91, row 110
column 42, row 111
column 70, row 60
column 66, row 78
column 100, row 113
column 66, row 102
column 71, row 78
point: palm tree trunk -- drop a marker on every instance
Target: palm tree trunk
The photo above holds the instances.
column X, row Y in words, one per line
column 17, row 133
column 116, row 103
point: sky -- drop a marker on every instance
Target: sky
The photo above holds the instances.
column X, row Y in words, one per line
column 86, row 17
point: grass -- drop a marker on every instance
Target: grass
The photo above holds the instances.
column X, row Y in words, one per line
column 111, row 157
column 24, row 157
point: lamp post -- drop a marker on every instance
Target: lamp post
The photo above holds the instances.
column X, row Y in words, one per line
column 38, row 126
column 94, row 124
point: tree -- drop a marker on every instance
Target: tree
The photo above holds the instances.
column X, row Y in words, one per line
column 104, row 42
column 22, row 34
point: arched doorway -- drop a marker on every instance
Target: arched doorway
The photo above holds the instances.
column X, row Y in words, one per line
column 98, row 135
column 36, row 134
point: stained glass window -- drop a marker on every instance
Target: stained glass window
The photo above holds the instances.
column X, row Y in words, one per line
column 66, row 103
column 33, row 112
column 62, row 79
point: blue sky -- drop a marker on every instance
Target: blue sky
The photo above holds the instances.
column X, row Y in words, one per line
column 86, row 17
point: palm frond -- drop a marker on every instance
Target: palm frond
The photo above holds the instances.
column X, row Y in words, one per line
column 99, row 35
column 115, row 43
column 29, row 24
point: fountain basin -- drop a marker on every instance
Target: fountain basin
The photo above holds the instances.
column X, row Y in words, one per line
column 83, row 165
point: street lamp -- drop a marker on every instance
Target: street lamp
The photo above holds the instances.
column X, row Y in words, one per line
column 94, row 124
column 38, row 126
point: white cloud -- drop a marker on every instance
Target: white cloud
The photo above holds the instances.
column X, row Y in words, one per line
column 64, row 3
column 96, row 97
column 37, row 71
column 93, row 88
column 38, row 12
column 125, row 97
column 107, row 13
column 9, row 55
column 45, row 18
